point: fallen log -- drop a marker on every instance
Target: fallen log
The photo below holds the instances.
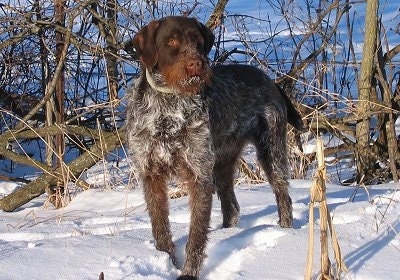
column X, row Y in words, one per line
column 74, row 169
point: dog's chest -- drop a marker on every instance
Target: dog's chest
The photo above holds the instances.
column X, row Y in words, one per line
column 167, row 126
column 168, row 120
column 162, row 129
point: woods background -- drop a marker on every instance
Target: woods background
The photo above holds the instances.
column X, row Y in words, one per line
column 64, row 72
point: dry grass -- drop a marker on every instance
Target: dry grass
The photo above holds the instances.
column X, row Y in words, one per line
column 318, row 195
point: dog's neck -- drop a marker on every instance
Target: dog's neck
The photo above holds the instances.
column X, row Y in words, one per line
column 156, row 85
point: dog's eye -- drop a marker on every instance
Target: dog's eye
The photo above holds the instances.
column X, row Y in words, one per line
column 196, row 39
column 173, row 42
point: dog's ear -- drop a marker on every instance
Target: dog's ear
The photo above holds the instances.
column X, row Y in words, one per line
column 208, row 37
column 145, row 45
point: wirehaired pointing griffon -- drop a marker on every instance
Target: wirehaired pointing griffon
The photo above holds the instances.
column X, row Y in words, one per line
column 190, row 121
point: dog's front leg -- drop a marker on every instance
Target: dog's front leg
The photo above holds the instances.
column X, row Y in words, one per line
column 155, row 193
column 200, row 203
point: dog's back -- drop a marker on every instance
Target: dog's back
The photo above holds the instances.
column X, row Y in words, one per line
column 241, row 93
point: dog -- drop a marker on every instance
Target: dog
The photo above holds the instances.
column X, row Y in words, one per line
column 190, row 121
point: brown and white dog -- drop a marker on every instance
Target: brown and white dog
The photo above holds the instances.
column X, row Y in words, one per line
column 190, row 121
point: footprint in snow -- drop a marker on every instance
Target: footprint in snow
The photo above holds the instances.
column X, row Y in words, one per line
column 229, row 247
column 154, row 267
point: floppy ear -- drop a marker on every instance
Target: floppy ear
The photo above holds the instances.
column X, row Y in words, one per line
column 145, row 45
column 208, row 37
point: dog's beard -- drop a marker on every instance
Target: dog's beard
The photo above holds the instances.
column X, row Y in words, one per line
column 192, row 84
column 187, row 86
column 180, row 84
column 192, row 81
column 195, row 84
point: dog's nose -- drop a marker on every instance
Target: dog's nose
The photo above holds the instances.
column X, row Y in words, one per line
column 194, row 66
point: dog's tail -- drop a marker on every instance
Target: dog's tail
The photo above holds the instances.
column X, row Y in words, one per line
column 293, row 116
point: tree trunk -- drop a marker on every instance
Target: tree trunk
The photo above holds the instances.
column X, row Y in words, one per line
column 60, row 85
column 364, row 161
column 215, row 19
column 387, row 140
column 111, row 57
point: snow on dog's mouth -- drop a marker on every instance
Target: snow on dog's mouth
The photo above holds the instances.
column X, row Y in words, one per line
column 191, row 81
column 192, row 84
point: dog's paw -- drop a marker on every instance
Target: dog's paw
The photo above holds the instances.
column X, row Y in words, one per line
column 186, row 277
column 286, row 222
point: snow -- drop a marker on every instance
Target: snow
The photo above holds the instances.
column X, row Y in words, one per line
column 108, row 230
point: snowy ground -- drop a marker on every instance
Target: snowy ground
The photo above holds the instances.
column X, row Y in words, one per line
column 109, row 231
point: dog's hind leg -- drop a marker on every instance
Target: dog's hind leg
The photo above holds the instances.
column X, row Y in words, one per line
column 270, row 141
column 224, row 170
column 155, row 193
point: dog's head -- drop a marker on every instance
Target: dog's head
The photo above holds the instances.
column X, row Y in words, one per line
column 176, row 48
